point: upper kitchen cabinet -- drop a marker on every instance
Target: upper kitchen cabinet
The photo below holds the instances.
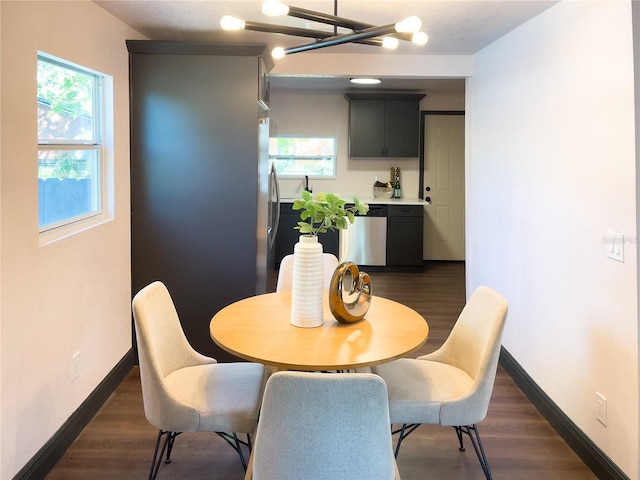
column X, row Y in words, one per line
column 384, row 125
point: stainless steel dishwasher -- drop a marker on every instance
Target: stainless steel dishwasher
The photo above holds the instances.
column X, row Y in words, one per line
column 365, row 241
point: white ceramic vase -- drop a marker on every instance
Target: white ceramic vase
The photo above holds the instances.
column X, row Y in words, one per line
column 307, row 282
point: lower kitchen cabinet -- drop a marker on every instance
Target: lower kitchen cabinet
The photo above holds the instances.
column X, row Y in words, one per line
column 287, row 236
column 404, row 235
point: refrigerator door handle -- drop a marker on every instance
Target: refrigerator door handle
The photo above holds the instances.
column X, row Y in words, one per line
column 274, row 223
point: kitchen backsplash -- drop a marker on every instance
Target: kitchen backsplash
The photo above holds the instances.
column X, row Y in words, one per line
column 360, row 184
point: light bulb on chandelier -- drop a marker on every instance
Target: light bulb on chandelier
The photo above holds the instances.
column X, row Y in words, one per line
column 230, row 23
column 390, row 42
column 273, row 8
column 420, row 38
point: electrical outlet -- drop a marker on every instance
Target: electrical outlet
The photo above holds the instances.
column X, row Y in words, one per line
column 602, row 408
column 75, row 366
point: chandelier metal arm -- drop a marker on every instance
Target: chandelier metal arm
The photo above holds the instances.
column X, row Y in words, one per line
column 346, row 38
column 336, row 21
column 332, row 20
column 299, row 32
column 285, row 30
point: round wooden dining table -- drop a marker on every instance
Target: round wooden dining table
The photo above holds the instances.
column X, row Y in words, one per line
column 258, row 329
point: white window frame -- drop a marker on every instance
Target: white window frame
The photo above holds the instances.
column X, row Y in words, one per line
column 283, row 173
column 102, row 91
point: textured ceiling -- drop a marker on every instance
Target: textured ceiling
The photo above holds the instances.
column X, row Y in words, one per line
column 455, row 27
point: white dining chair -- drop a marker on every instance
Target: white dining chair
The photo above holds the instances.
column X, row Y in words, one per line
column 321, row 426
column 184, row 391
column 451, row 386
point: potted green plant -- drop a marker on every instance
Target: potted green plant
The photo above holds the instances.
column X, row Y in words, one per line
column 325, row 212
column 318, row 214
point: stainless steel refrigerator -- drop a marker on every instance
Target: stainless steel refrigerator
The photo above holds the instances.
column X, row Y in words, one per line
column 200, row 195
column 267, row 274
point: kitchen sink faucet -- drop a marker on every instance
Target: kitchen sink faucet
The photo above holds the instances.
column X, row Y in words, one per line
column 306, row 184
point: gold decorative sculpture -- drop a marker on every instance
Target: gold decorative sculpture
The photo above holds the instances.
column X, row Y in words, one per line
column 358, row 293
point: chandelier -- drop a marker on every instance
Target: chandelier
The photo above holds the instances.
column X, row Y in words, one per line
column 386, row 36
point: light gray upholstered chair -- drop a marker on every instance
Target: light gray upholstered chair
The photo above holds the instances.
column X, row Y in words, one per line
column 184, row 391
column 285, row 273
column 451, row 386
column 317, row 426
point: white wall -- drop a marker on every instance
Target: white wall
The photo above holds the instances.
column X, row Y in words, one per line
column 72, row 295
column 551, row 166
column 0, row 241
column 636, row 55
column 300, row 112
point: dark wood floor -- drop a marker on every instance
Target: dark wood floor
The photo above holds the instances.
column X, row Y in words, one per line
column 519, row 443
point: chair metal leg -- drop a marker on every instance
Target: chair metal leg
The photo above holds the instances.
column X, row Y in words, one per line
column 170, row 437
column 459, row 434
column 235, row 443
column 167, row 446
column 472, row 432
column 404, row 432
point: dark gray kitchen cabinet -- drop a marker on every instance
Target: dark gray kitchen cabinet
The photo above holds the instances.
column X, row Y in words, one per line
column 198, row 177
column 288, row 236
column 384, row 125
column 404, row 235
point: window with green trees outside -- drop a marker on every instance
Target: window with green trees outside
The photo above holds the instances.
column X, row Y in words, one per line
column 296, row 156
column 70, row 146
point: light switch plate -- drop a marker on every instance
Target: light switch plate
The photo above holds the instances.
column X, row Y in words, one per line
column 615, row 245
column 75, row 366
column 601, row 414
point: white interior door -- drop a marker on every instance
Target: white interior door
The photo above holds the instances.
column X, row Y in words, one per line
column 444, row 186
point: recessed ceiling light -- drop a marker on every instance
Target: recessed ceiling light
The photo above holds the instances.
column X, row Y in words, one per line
column 366, row 81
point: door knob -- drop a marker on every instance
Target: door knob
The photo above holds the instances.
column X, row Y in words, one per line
column 427, row 199
column 428, row 189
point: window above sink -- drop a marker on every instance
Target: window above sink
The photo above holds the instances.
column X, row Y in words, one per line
column 300, row 156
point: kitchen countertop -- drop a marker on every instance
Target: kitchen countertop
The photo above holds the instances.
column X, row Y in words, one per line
column 371, row 200
column 392, row 201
